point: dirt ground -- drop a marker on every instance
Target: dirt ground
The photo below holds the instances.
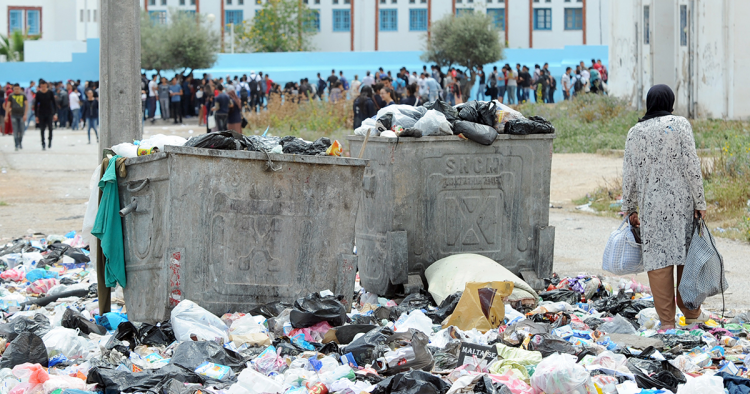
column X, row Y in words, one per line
column 47, row 192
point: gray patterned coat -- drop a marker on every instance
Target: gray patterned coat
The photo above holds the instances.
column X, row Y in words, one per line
column 661, row 177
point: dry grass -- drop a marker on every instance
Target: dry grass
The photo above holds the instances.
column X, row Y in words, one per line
column 309, row 120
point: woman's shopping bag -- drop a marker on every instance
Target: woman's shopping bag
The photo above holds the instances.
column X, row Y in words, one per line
column 623, row 255
column 703, row 275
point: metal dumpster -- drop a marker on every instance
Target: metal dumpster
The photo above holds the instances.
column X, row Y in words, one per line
column 223, row 230
column 432, row 197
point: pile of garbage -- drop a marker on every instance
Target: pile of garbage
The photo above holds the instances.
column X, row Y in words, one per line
column 478, row 121
column 584, row 334
column 231, row 140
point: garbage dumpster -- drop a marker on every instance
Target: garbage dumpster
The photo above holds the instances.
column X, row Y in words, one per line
column 427, row 198
column 224, row 230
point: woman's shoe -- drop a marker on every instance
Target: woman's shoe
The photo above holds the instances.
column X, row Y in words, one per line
column 702, row 318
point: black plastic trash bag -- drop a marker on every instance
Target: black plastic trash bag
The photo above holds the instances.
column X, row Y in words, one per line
column 298, row 146
column 446, row 308
column 569, row 296
column 532, row 125
column 38, row 325
column 345, row 334
column 655, row 374
column 26, row 348
column 549, row 344
column 127, row 331
column 451, row 114
column 192, row 354
column 476, row 132
column 485, row 385
column 687, row 341
column 419, row 300
column 413, row 382
column 259, row 143
column 422, row 360
column 313, row 309
column 226, row 140
column 75, row 320
column 367, row 348
column 149, row 380
column 57, row 250
column 156, row 335
column 481, row 112
column 272, row 309
column 593, row 322
column 411, row 132
column 446, row 359
column 386, row 120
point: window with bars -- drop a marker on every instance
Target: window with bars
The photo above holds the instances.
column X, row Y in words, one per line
column 314, row 23
column 418, row 20
column 159, row 17
column 646, row 25
column 151, row 2
column 542, row 19
column 163, row 2
column 463, row 11
column 233, row 17
column 192, row 2
column 27, row 20
column 182, row 2
column 497, row 15
column 573, row 19
column 683, row 25
column 388, row 20
column 341, row 20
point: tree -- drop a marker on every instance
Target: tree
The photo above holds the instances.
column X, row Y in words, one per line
column 12, row 46
column 280, row 26
column 470, row 40
column 183, row 44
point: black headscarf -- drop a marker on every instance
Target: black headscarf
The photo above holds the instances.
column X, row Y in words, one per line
column 659, row 102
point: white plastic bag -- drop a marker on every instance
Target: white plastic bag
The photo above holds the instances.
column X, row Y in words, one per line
column 504, row 115
column 416, row 320
column 434, row 123
column 370, row 125
column 622, row 256
column 160, row 140
column 188, row 318
column 247, row 330
column 702, row 385
column 559, row 374
column 126, row 149
column 61, row 340
column 253, row 382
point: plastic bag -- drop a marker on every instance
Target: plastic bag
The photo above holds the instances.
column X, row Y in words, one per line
column 26, row 348
column 413, row 382
column 655, row 374
column 569, row 296
column 446, row 308
column 247, row 330
column 161, row 140
column 126, row 149
column 367, row 348
column 548, row 344
column 622, row 255
column 61, row 340
column 703, row 275
column 476, row 132
column 226, row 140
column 532, row 125
column 368, row 124
column 111, row 320
column 74, row 320
column 192, row 354
column 188, row 318
column 702, row 385
column 481, row 306
column 298, row 146
column 314, row 309
column 504, row 114
column 559, row 374
column 149, row 380
column 482, row 112
column 618, row 325
column 38, row 325
column 156, row 335
column 414, row 320
column 434, row 123
column 252, row 382
column 451, row 114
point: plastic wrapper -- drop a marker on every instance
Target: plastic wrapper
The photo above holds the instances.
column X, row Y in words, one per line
column 14, row 274
column 269, row 361
column 559, row 374
column 450, row 113
column 225, row 140
column 476, row 132
column 313, row 309
column 434, row 123
column 481, row 306
column 188, row 319
column 26, row 348
column 532, row 125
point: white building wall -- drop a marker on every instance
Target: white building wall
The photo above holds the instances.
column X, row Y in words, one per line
column 706, row 73
column 55, row 17
column 52, row 51
column 87, row 19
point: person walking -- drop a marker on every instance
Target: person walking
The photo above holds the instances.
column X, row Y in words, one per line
column 356, row 84
column 152, row 94
column 16, row 109
column 482, row 83
column 91, row 114
column 234, row 116
column 45, row 109
column 512, row 84
column 186, row 97
column 566, row 84
column 75, row 107
column 221, row 109
column 175, row 93
column 164, row 98
column 29, row 92
column 663, row 192
column 63, row 107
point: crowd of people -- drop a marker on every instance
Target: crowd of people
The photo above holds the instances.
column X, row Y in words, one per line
column 49, row 105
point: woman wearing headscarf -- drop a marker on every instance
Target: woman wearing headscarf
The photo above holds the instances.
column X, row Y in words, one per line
column 663, row 193
column 234, row 120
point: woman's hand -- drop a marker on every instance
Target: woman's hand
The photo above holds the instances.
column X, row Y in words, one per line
column 700, row 214
column 634, row 221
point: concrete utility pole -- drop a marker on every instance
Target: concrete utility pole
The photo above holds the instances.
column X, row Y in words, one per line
column 120, row 72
